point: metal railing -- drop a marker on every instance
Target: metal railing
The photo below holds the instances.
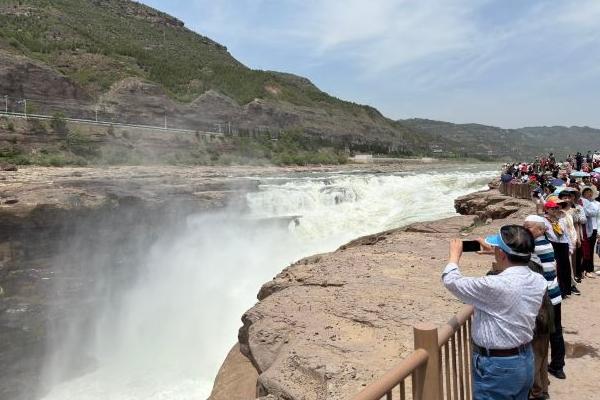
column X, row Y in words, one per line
column 105, row 123
column 128, row 116
column 518, row 190
column 439, row 367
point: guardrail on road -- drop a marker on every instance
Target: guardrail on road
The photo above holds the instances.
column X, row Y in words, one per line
column 105, row 123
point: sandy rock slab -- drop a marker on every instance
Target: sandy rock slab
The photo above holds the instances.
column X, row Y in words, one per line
column 331, row 323
column 236, row 379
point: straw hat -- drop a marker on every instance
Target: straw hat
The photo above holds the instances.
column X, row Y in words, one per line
column 594, row 190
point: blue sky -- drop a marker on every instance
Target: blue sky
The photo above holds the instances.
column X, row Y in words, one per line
column 509, row 63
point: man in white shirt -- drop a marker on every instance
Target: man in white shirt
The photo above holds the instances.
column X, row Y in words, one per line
column 506, row 306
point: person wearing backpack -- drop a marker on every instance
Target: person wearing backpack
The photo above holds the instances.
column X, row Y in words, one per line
column 543, row 256
column 544, row 327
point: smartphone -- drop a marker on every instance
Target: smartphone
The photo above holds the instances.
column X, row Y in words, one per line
column 471, row 246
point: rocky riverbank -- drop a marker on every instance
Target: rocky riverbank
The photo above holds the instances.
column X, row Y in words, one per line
column 330, row 324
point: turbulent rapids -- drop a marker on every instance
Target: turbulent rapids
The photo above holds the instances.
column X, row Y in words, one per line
column 166, row 335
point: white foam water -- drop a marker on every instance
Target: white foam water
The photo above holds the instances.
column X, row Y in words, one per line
column 168, row 334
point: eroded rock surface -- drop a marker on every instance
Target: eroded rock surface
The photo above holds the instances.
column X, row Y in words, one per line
column 490, row 204
column 236, row 379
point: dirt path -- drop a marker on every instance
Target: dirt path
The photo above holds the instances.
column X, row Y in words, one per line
column 581, row 324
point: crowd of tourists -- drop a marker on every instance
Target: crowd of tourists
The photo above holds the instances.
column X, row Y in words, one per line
column 548, row 164
column 567, row 197
column 517, row 326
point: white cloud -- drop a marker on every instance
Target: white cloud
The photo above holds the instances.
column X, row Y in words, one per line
column 439, row 40
column 384, row 34
column 582, row 14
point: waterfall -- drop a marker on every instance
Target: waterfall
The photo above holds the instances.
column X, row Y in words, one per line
column 166, row 335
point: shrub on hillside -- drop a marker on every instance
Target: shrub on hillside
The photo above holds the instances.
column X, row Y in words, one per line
column 14, row 155
column 81, row 145
column 37, row 127
column 59, row 123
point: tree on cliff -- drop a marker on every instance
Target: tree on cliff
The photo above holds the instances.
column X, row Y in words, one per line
column 59, row 123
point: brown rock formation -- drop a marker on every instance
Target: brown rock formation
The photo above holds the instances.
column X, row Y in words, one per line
column 21, row 77
column 236, row 379
column 489, row 204
column 136, row 101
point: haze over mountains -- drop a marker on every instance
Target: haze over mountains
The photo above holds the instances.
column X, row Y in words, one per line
column 510, row 143
column 127, row 62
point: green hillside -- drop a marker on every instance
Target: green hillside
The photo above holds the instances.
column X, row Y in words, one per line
column 99, row 42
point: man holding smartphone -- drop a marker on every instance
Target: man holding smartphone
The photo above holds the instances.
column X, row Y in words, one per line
column 506, row 306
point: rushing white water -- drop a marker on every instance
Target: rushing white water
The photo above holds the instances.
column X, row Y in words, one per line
column 166, row 337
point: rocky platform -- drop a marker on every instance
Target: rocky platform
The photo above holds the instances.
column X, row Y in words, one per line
column 330, row 324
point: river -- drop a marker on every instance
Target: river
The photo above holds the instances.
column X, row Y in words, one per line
column 166, row 336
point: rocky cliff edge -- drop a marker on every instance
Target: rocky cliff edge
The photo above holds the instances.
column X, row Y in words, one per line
column 330, row 324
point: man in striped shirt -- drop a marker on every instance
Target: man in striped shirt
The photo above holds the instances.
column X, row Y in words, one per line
column 544, row 255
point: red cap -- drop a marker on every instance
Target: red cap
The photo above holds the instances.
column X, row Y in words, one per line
column 551, row 204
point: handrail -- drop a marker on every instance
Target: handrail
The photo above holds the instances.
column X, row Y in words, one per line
column 516, row 190
column 108, row 123
column 445, row 332
column 440, row 353
column 387, row 382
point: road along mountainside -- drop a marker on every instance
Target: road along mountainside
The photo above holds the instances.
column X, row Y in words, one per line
column 330, row 324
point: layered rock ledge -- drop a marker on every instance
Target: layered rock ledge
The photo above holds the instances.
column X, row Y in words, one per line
column 330, row 324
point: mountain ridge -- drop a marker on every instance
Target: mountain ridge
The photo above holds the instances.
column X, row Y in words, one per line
column 511, row 142
column 96, row 45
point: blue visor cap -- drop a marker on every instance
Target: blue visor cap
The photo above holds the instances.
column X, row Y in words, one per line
column 496, row 241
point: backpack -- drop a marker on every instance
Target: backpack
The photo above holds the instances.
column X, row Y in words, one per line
column 544, row 322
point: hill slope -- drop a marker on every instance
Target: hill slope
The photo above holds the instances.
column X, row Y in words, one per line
column 128, row 62
column 509, row 143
